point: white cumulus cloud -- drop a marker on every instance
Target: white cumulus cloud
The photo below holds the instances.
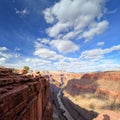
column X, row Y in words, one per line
column 6, row 55
column 64, row 46
column 69, row 17
column 3, row 49
column 42, row 51
column 98, row 53
column 96, row 29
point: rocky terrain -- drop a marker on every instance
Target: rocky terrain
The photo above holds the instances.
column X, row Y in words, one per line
column 96, row 91
column 87, row 95
column 24, row 96
column 46, row 95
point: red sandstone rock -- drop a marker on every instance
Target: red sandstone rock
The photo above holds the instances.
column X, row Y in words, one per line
column 21, row 71
column 23, row 97
column 109, row 84
column 5, row 71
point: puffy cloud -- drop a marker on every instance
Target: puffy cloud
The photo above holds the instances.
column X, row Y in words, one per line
column 77, row 19
column 3, row 49
column 70, row 35
column 95, row 30
column 86, row 65
column 43, row 52
column 98, row 53
column 37, row 61
column 78, row 65
column 71, row 10
column 48, row 54
column 43, row 47
column 91, row 60
column 48, row 16
column 64, row 46
column 32, row 62
column 57, row 28
column 6, row 55
column 75, row 16
column 100, row 43
column 44, row 41
column 2, row 60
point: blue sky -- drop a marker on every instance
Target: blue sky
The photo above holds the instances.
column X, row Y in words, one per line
column 71, row 35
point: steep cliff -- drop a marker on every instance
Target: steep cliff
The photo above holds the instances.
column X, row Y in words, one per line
column 24, row 96
column 95, row 91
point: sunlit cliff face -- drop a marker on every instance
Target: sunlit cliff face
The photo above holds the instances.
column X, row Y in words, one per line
column 95, row 91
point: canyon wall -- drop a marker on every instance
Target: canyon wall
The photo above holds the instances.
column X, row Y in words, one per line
column 60, row 77
column 95, row 91
column 86, row 95
column 24, row 96
column 103, row 83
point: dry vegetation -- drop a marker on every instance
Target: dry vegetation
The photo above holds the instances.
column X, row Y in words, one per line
column 93, row 102
column 95, row 91
column 108, row 84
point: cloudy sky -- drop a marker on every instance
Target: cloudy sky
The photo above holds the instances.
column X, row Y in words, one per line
column 71, row 35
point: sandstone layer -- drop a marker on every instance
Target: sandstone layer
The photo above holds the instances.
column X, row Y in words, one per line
column 24, row 96
column 95, row 91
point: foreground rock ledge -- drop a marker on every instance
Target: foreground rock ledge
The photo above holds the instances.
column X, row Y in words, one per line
column 24, row 96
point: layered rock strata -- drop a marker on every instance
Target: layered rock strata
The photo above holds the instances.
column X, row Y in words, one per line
column 103, row 84
column 24, row 96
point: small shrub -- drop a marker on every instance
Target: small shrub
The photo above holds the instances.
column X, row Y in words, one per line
column 26, row 68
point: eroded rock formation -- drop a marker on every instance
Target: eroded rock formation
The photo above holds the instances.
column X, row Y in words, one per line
column 24, row 96
column 104, row 83
column 95, row 91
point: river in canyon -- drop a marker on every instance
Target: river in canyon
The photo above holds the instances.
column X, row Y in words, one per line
column 66, row 113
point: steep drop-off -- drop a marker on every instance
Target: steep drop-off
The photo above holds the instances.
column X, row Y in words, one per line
column 87, row 95
column 24, row 96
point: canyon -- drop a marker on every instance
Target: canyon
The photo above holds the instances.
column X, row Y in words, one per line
column 58, row 95
column 87, row 95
